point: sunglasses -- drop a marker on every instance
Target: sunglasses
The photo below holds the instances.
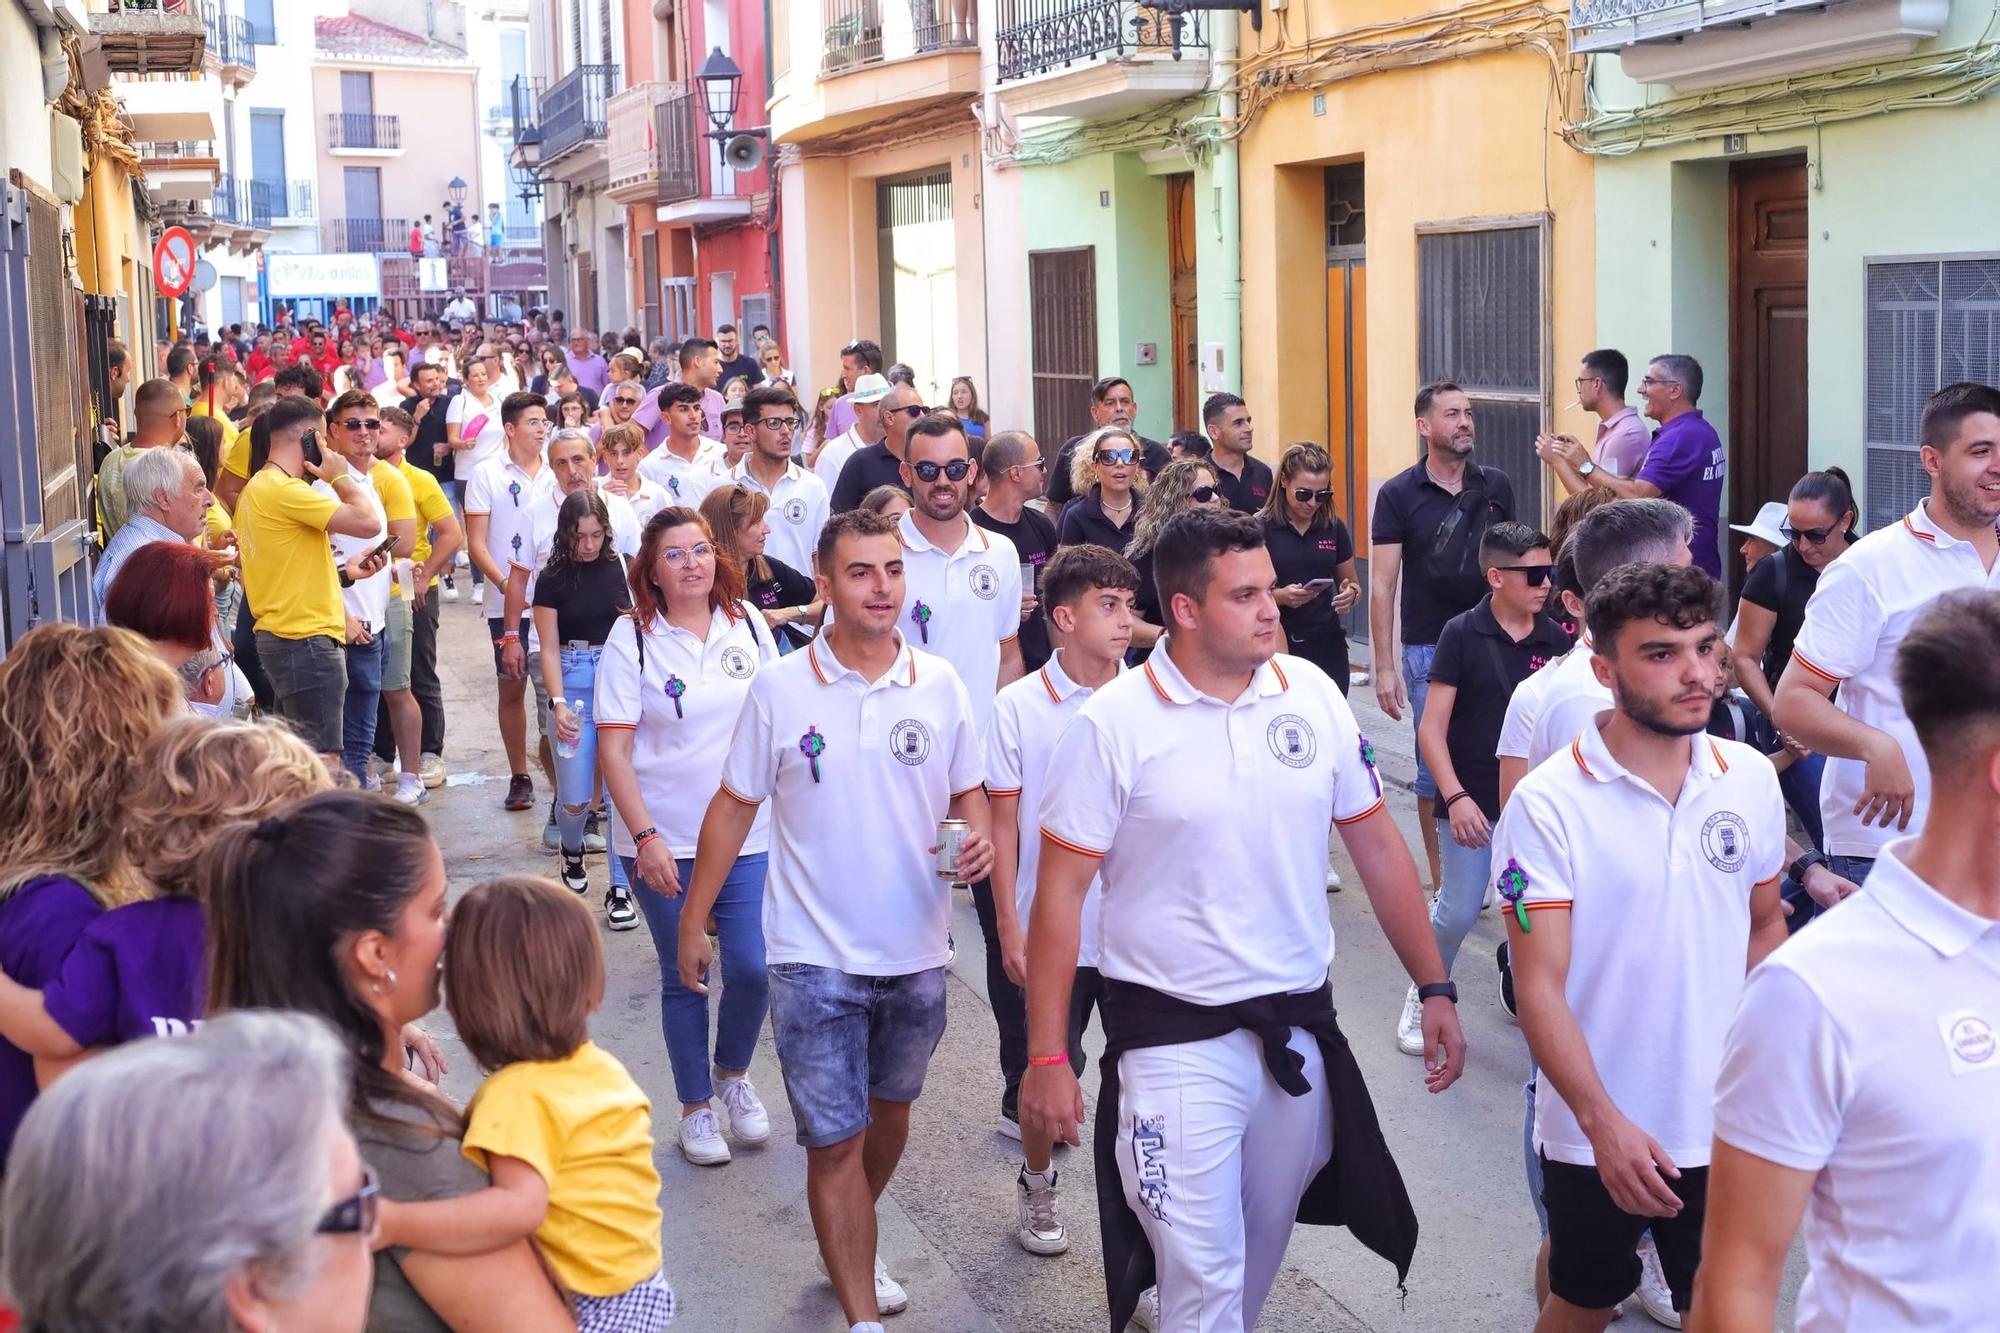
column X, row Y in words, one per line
column 1817, row 536
column 1203, row 494
column 1305, row 496
column 955, row 469
column 1114, row 456
column 354, row 1215
column 354, row 425
column 626, row 400
column 1536, row 575
column 913, row 411
column 678, row 555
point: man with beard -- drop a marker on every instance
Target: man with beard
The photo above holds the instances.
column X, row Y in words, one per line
column 1439, row 509
column 1112, row 403
column 1629, row 951
column 1877, row 785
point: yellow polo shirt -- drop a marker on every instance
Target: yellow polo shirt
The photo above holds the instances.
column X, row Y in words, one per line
column 288, row 571
column 431, row 505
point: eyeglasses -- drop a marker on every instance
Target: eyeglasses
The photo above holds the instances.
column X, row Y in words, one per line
column 955, row 469
column 354, row 425
column 1040, row 463
column 913, row 411
column 1114, row 457
column 1817, row 536
column 1582, row 380
column 1648, row 382
column 626, row 400
column 677, row 556
column 780, row 423
column 354, row 1215
column 1203, row 494
column 1306, row 496
column 1536, row 575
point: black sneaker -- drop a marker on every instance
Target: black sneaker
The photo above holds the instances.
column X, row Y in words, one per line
column 520, row 792
column 593, row 832
column 1010, row 1113
column 1503, row 956
column 618, row 909
column 573, row 877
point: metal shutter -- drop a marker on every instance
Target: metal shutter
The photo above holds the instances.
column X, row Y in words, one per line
column 1062, row 305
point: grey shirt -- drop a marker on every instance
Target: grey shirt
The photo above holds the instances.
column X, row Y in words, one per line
column 413, row 1167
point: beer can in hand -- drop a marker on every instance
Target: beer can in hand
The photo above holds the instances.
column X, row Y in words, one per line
column 950, row 841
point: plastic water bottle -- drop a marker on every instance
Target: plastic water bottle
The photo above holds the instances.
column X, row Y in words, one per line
column 567, row 749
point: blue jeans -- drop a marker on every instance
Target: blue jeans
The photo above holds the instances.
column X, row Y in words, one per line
column 1800, row 784
column 576, row 775
column 1417, row 659
column 844, row 1040
column 1462, row 873
column 739, row 923
column 1854, row 868
column 365, row 662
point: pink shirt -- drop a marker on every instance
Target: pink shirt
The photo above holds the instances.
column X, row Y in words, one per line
column 1622, row 443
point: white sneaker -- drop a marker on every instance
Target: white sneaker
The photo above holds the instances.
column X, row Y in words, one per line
column 1655, row 1297
column 1410, row 1027
column 410, row 790
column 432, row 769
column 373, row 781
column 479, row 594
column 1486, row 903
column 890, row 1298
column 461, row 560
column 1333, row 881
column 748, row 1120
column 701, row 1139
column 449, row 591
column 1040, row 1232
column 1147, row 1316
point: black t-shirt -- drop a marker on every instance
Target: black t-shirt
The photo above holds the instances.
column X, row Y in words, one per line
column 1246, row 494
column 1152, row 457
column 1034, row 536
column 1313, row 631
column 1409, row 510
column 1476, row 656
column 1084, row 520
column 785, row 587
column 430, row 433
column 865, row 469
column 1782, row 583
column 587, row 598
column 742, row 364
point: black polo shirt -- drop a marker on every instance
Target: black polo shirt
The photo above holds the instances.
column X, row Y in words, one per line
column 785, row 587
column 430, row 433
column 1782, row 583
column 1480, row 660
column 1409, row 509
column 1313, row 631
column 1084, row 520
column 1034, row 537
column 1152, row 457
column 865, row 469
column 1246, row 494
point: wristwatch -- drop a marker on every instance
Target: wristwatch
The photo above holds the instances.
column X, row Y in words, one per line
column 1797, row 870
column 1585, row 468
column 1448, row 989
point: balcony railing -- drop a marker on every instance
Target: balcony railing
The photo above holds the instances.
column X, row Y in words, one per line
column 867, row 32
column 368, row 236
column 1036, row 36
column 573, row 108
column 230, row 40
column 677, row 129
column 524, row 106
column 174, row 150
column 630, row 140
column 351, row 129
column 255, row 203
column 1605, row 25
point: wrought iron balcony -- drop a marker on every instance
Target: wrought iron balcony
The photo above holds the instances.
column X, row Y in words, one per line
column 1036, row 36
column 573, row 108
column 351, row 129
column 1607, row 25
column 260, row 203
column 523, row 107
column 230, row 41
column 677, row 129
column 368, row 236
column 859, row 33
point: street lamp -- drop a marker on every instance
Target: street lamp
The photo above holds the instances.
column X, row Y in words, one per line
column 457, row 190
column 721, row 83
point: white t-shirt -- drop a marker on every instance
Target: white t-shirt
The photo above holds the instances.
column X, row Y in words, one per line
column 1568, row 704
column 367, row 600
column 507, row 495
column 677, row 753
column 962, row 605
column 853, row 884
column 834, row 456
column 648, row 497
column 1211, row 909
column 1865, row 1051
column 687, row 482
column 385, row 394
column 479, row 425
column 1524, row 707
column 798, row 511
column 1659, row 904
column 1029, row 717
column 1865, row 603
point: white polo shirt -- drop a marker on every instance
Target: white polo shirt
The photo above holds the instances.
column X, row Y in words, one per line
column 648, row 497
column 677, row 753
column 686, row 481
column 507, row 494
column 1211, row 909
column 1028, row 719
column 1524, row 706
column 1865, row 603
column 1865, row 1051
column 853, row 884
column 835, row 454
column 367, row 600
column 798, row 511
column 1568, row 703
column 1659, row 904
column 970, row 601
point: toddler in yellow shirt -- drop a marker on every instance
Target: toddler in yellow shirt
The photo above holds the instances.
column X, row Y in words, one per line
column 562, row 1128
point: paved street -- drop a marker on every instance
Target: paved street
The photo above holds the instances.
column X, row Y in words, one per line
column 739, row 1242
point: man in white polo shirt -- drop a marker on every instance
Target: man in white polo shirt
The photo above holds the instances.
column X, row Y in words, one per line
column 798, row 498
column 1224, row 1071
column 1860, row 1087
column 1876, row 785
column 1629, row 950
column 687, row 463
column 500, row 500
column 861, row 743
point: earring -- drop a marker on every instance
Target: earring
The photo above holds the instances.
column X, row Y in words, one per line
column 392, row 977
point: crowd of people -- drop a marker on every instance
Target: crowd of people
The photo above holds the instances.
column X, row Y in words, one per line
column 767, row 636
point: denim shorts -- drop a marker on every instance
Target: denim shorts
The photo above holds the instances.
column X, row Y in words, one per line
column 308, row 685
column 843, row 1039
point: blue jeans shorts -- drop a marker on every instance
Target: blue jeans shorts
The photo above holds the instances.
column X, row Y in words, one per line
column 1417, row 659
column 843, row 1039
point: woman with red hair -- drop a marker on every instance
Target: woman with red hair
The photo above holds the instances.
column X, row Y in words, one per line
column 164, row 594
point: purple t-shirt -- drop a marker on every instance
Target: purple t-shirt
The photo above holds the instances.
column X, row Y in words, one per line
column 136, row 972
column 1686, row 463
column 591, row 372
column 39, row 923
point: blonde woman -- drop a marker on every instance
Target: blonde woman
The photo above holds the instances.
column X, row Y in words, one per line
column 1188, row 483
column 1106, row 475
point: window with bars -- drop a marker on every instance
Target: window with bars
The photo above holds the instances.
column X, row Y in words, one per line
column 1062, row 313
column 1480, row 310
column 1930, row 322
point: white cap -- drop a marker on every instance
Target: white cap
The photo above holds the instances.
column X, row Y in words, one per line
column 1765, row 527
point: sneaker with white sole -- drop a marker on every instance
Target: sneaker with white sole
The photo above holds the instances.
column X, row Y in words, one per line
column 551, row 833
column 593, row 833
column 749, row 1122
column 479, row 594
column 1334, row 883
column 460, row 560
column 449, row 590
column 1504, row 956
column 410, row 790
column 573, row 876
column 1147, row 1316
column 372, row 782
column 1655, row 1297
column 1040, row 1232
column 890, row 1298
column 619, row 911
column 1410, row 1027
column 701, row 1139
column 432, row 770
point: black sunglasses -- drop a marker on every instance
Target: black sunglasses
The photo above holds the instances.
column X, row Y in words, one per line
column 626, row 399
column 1203, row 494
column 353, row 424
column 354, row 1214
column 1113, row 456
column 1817, row 536
column 913, row 411
column 955, row 469
column 1306, row 496
column 1536, row 575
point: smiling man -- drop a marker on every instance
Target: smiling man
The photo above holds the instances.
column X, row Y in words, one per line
column 1112, row 403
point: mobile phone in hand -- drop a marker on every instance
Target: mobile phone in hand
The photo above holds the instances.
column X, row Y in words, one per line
column 1317, row 584
column 388, row 545
column 310, row 443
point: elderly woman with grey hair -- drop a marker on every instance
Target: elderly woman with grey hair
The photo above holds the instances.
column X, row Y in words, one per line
column 205, row 1184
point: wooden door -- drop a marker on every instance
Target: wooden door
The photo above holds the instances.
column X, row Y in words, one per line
column 1185, row 348
column 1347, row 407
column 1062, row 315
column 1769, row 229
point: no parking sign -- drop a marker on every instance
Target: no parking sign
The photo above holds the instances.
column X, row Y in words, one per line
column 173, row 262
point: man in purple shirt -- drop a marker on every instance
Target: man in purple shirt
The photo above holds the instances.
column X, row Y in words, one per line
column 858, row 358
column 699, row 366
column 591, row 369
column 1685, row 463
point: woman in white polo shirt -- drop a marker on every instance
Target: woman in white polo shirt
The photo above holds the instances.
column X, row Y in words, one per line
column 670, row 686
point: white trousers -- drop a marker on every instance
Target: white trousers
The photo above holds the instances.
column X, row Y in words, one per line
column 1214, row 1157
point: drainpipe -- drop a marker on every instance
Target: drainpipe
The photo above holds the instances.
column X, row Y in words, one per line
column 771, row 183
column 1224, row 177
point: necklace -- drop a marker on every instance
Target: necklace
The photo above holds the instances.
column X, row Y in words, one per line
column 1455, row 485
column 1110, row 508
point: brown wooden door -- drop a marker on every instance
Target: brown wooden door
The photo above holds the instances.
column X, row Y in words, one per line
column 1767, row 337
column 1062, row 313
column 1185, row 348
